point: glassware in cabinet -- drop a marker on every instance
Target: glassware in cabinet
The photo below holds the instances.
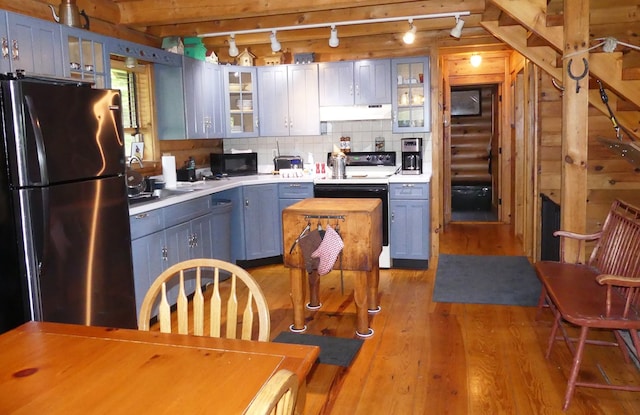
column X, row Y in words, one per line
column 411, row 110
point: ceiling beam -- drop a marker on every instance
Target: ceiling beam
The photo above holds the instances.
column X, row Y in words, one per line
column 163, row 12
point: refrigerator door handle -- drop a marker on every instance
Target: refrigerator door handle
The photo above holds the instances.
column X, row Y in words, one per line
column 39, row 140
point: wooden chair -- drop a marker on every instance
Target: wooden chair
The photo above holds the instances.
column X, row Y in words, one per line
column 277, row 397
column 602, row 294
column 197, row 272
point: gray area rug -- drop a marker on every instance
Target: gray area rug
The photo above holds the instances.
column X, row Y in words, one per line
column 486, row 279
column 333, row 350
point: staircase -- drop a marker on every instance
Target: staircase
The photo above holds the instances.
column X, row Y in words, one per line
column 534, row 29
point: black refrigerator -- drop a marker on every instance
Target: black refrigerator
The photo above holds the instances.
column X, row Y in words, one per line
column 65, row 249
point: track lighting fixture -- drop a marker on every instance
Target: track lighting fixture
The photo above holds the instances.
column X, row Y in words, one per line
column 333, row 39
column 275, row 45
column 410, row 35
column 457, row 30
column 233, row 49
column 475, row 60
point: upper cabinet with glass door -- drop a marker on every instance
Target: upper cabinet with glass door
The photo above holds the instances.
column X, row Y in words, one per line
column 410, row 91
column 86, row 56
column 241, row 101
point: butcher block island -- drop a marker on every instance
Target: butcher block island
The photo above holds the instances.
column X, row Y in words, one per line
column 358, row 222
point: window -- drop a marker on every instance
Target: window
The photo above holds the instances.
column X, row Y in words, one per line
column 137, row 114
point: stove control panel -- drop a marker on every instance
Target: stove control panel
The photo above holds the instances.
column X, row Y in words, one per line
column 365, row 158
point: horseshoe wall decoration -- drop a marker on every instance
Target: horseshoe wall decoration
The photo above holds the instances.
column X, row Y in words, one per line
column 577, row 78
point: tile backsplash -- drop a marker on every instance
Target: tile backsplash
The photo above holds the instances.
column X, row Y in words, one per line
column 363, row 136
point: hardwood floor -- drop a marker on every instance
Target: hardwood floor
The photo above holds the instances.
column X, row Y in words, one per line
column 442, row 358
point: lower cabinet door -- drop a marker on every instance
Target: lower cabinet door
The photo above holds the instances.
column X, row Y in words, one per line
column 148, row 263
column 262, row 235
column 409, row 229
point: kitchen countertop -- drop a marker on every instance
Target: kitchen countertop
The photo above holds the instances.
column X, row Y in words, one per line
column 194, row 190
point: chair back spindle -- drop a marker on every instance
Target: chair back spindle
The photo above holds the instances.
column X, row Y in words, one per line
column 191, row 276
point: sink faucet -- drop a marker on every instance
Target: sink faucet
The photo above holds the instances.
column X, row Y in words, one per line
column 134, row 158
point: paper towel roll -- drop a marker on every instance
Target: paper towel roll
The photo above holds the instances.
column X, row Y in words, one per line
column 169, row 171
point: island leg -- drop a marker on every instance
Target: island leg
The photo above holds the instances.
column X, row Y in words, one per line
column 360, row 297
column 296, row 275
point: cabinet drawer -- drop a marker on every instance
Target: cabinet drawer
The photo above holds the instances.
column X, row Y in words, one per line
column 146, row 223
column 185, row 211
column 295, row 190
column 409, row 191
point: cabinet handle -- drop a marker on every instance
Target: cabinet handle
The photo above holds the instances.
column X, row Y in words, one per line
column 357, row 89
column 351, row 89
column 195, row 240
column 393, row 216
column 407, row 185
column 5, row 48
column 285, row 122
column 246, row 202
column 165, row 256
column 141, row 216
column 15, row 51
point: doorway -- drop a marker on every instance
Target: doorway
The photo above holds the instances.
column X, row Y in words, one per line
column 473, row 147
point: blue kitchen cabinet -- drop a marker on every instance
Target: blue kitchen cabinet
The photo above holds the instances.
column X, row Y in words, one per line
column 197, row 228
column 32, row 45
column 364, row 82
column 148, row 250
column 288, row 100
column 261, row 230
column 410, row 238
column 86, row 56
column 288, row 194
column 240, row 101
column 214, row 107
column 411, row 109
column 202, row 97
column 169, row 93
column 254, row 221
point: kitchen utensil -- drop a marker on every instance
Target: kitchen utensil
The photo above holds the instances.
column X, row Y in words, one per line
column 338, row 166
column 68, row 14
column 135, row 182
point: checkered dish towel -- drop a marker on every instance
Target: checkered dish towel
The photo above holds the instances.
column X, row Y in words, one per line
column 328, row 250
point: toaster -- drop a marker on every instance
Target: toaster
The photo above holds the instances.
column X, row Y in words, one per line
column 286, row 162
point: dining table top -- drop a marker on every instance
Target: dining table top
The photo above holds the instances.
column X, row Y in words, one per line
column 54, row 368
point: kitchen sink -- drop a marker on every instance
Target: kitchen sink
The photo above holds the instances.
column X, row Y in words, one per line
column 159, row 194
column 162, row 193
column 142, row 197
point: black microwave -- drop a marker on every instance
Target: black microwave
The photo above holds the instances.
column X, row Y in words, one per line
column 239, row 164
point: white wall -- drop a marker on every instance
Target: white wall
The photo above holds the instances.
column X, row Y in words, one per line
column 362, row 133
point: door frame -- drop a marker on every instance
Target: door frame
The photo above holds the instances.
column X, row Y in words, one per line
column 500, row 171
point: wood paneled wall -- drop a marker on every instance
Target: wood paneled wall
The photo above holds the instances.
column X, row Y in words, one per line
column 609, row 175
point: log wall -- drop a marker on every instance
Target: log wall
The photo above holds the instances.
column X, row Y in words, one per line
column 609, row 176
column 471, row 143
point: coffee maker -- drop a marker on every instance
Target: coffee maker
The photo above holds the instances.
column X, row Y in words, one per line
column 411, row 155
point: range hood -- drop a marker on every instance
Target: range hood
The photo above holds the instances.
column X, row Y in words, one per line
column 356, row 112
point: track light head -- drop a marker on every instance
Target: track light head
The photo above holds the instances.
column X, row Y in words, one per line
column 333, row 39
column 233, row 49
column 457, row 29
column 275, row 45
column 410, row 36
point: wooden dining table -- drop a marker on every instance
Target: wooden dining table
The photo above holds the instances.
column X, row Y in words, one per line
column 53, row 368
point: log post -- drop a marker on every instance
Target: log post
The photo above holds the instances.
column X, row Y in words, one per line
column 575, row 105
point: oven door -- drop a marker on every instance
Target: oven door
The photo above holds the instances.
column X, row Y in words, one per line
column 371, row 191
